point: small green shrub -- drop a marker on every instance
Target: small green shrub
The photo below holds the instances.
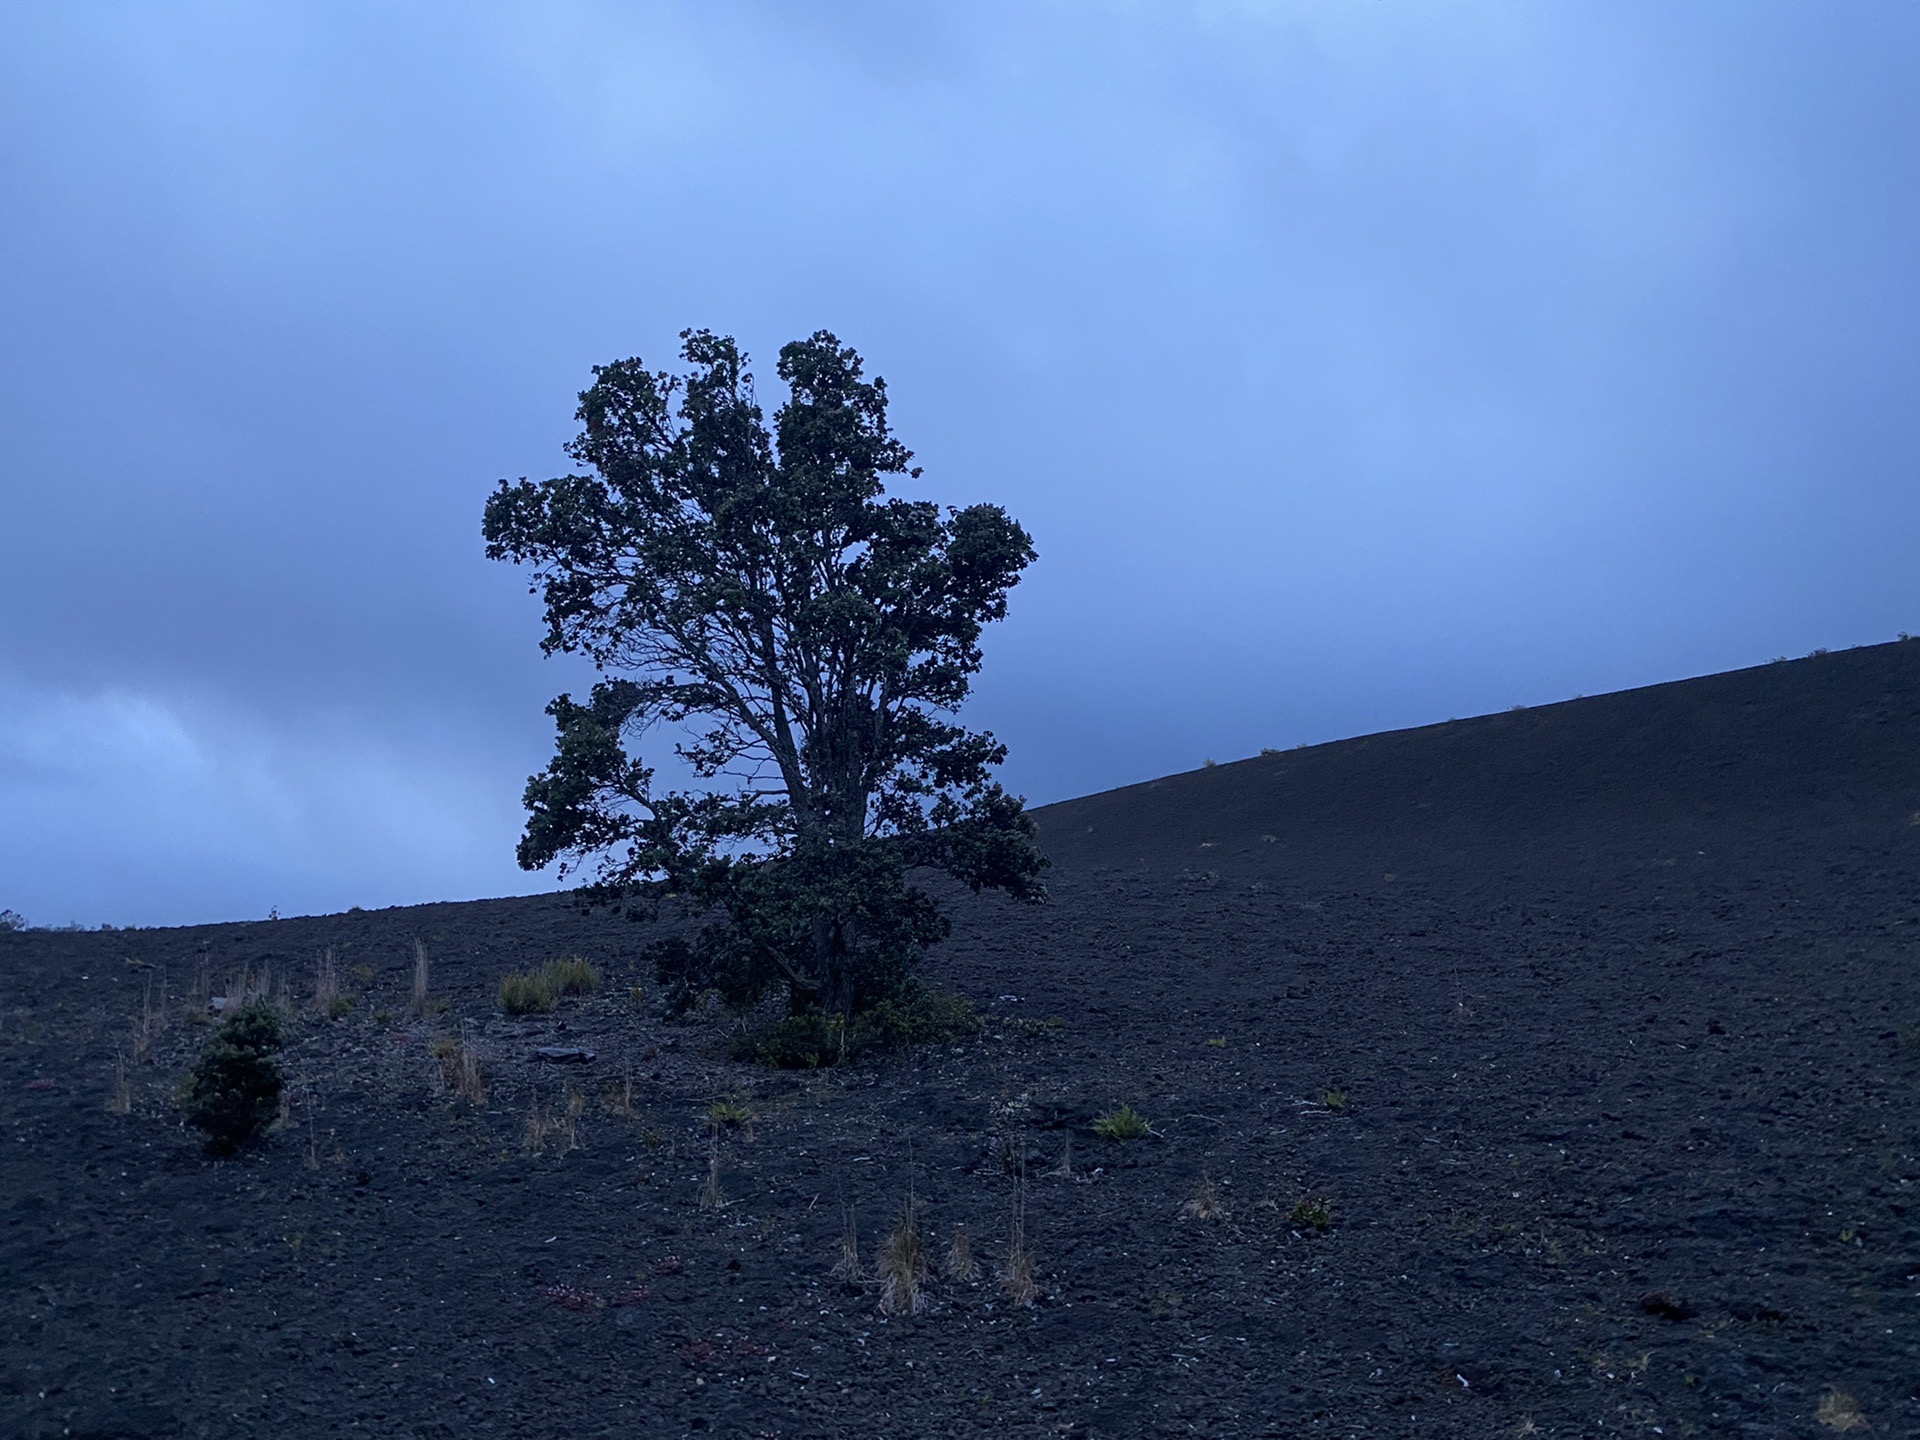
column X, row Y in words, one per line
column 1314, row 1214
column 810, row 1040
column 233, row 1092
column 638, row 995
column 1122, row 1125
column 1335, row 1100
column 526, row 994
column 724, row 1115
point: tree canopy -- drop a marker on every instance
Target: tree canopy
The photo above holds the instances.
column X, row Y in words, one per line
column 805, row 638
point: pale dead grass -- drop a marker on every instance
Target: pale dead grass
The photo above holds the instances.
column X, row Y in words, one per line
column 959, row 1263
column 1840, row 1411
column 712, row 1196
column 418, row 1005
column 847, row 1266
column 1206, row 1202
column 902, row 1265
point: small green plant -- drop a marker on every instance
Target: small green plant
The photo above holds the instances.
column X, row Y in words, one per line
column 1335, row 1100
column 725, row 1115
column 233, row 1092
column 638, row 995
column 810, row 1040
column 382, row 1017
column 1217, row 1042
column 1313, row 1214
column 1122, row 1125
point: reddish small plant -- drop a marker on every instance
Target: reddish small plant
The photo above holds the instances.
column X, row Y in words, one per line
column 572, row 1297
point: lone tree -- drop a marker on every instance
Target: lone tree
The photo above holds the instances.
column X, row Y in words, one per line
column 806, row 635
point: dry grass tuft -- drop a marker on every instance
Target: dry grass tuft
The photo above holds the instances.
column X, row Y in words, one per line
column 329, row 1002
column 1206, row 1203
column 460, row 1067
column 1840, row 1411
column 620, row 1098
column 959, row 1263
column 1065, row 1168
column 712, row 1197
column 1016, row 1273
column 537, row 1130
column 151, row 1022
column 848, row 1266
column 121, row 1101
column 569, row 1124
column 902, row 1266
column 419, row 1005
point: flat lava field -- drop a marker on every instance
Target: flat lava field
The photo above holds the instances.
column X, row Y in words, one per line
column 1595, row 1026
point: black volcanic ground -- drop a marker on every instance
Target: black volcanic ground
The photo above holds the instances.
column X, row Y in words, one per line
column 1622, row 995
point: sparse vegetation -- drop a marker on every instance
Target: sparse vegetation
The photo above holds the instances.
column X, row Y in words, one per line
column 1032, row 1027
column 1205, row 1202
column 812, row 1041
column 329, row 1002
column 233, row 1093
column 1335, row 1100
column 1313, row 1215
column 1217, row 1042
column 460, row 1067
column 11, row 922
column 1840, row 1411
column 120, row 1102
column 1121, row 1125
column 526, row 993
column 418, row 1003
column 901, row 1267
column 727, row 1115
column 535, row 992
column 712, row 1197
column 959, row 1263
column 620, row 1100
column 846, row 1265
column 572, row 977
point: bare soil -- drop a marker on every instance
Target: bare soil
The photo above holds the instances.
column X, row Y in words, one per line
column 1596, row 1027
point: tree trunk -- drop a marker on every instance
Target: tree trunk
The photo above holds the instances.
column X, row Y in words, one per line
column 833, row 963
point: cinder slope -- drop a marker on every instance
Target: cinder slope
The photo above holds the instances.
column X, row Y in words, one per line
column 1836, row 733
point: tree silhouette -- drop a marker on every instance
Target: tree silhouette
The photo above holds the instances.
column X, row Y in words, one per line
column 808, row 637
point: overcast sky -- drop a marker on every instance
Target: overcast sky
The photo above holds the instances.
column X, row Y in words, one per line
column 1355, row 365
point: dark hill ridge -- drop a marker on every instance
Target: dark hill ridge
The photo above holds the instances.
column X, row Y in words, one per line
column 1596, row 1027
column 1835, row 733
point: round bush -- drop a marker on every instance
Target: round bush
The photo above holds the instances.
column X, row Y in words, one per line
column 233, row 1092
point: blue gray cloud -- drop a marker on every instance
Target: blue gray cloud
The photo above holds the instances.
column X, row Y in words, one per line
column 1354, row 365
